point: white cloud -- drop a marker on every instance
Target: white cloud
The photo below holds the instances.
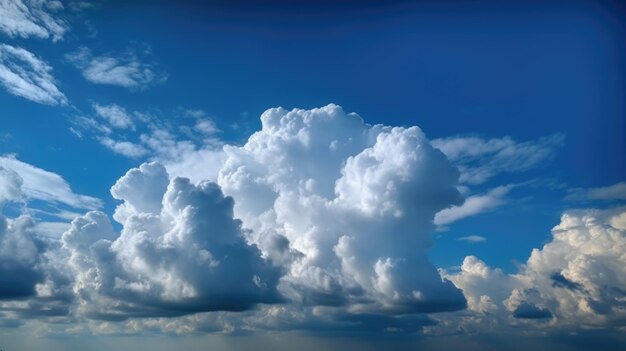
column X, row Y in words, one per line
column 125, row 70
column 180, row 252
column 195, row 113
column 32, row 18
column 612, row 192
column 473, row 239
column 473, row 205
column 124, row 148
column 350, row 204
column 576, row 279
column 115, row 115
column 206, row 126
column 197, row 165
column 24, row 74
column 479, row 159
column 43, row 185
column 79, row 6
column 89, row 124
column 484, row 287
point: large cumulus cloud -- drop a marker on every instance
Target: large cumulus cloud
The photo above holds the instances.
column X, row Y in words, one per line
column 180, row 251
column 347, row 207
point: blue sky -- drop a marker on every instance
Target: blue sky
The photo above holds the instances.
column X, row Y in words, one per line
column 342, row 222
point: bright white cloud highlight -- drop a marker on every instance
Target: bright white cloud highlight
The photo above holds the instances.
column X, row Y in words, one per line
column 24, row 74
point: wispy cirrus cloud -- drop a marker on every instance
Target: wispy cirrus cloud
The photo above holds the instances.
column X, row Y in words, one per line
column 481, row 159
column 472, row 239
column 24, row 74
column 188, row 147
column 40, row 184
column 473, row 205
column 126, row 70
column 32, row 18
column 607, row 193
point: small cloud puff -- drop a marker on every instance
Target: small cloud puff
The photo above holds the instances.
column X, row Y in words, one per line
column 126, row 70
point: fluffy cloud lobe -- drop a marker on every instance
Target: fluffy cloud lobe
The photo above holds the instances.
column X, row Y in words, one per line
column 180, row 251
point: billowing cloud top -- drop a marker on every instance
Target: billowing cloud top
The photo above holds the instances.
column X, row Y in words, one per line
column 346, row 206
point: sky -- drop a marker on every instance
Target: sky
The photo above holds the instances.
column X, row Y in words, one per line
column 312, row 174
